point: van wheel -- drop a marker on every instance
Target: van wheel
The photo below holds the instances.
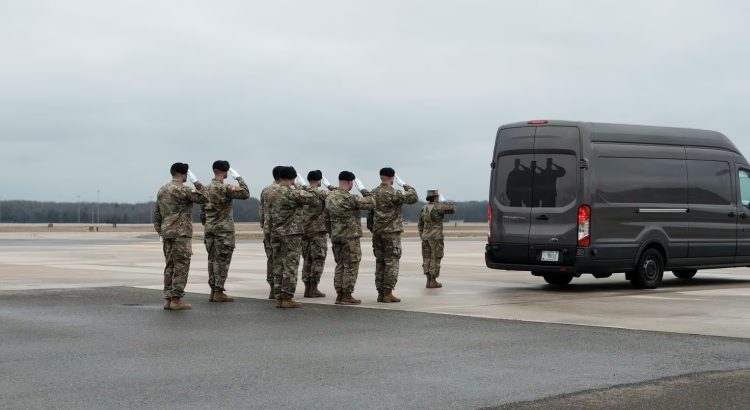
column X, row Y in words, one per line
column 685, row 273
column 558, row 279
column 650, row 270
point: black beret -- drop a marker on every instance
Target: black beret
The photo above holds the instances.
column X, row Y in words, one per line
column 346, row 176
column 276, row 170
column 179, row 168
column 316, row 175
column 387, row 172
column 221, row 165
column 287, row 173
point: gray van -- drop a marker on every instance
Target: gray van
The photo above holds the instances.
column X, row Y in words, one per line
column 572, row 198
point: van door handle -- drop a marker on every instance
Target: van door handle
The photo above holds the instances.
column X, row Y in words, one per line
column 743, row 215
column 542, row 217
column 732, row 214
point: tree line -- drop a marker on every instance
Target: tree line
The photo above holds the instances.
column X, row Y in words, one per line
column 142, row 213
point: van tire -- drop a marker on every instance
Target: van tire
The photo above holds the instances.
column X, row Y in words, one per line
column 685, row 273
column 558, row 279
column 650, row 270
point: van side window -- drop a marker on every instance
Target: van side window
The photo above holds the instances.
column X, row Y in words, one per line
column 642, row 180
column 709, row 182
column 745, row 188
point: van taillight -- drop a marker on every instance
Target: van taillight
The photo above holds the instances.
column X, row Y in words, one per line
column 584, row 225
column 489, row 222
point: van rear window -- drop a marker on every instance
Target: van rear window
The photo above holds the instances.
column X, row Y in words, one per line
column 532, row 181
column 642, row 180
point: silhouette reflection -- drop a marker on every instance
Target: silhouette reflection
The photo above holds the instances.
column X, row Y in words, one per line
column 533, row 186
column 545, row 183
column 518, row 185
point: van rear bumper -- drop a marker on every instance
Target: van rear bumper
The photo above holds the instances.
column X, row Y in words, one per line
column 579, row 260
column 532, row 268
column 512, row 256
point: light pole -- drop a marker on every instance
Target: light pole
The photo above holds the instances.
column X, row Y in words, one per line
column 1, row 209
column 79, row 209
column 97, row 207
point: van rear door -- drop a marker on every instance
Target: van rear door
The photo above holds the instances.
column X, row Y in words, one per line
column 512, row 194
column 553, row 233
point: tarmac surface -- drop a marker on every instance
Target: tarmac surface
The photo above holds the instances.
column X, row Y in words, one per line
column 715, row 302
column 116, row 348
column 81, row 326
column 709, row 391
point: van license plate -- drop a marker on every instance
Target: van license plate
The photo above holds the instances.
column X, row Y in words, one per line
column 550, row 256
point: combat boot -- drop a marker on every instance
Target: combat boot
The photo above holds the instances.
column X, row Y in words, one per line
column 348, row 299
column 308, row 285
column 178, row 305
column 167, row 302
column 314, row 292
column 429, row 282
column 339, row 295
column 434, row 284
column 272, row 295
column 380, row 296
column 389, row 298
column 211, row 296
column 222, row 298
column 290, row 304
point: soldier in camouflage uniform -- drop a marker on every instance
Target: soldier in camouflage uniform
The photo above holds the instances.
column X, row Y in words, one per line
column 173, row 222
column 431, row 231
column 286, row 219
column 266, row 197
column 386, row 224
column 217, row 217
column 343, row 218
column 314, row 240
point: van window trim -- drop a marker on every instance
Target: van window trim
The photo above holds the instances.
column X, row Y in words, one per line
column 741, row 168
column 536, row 151
column 662, row 144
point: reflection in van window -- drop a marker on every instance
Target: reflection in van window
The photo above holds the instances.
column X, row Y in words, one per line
column 709, row 182
column 545, row 183
column 519, row 183
column 514, row 179
column 523, row 183
column 642, row 180
column 745, row 188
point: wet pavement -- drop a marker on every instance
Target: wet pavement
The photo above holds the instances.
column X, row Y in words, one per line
column 116, row 348
column 81, row 326
column 715, row 302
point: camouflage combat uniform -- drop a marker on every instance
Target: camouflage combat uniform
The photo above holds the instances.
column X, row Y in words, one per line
column 173, row 222
column 386, row 224
column 266, row 197
column 343, row 217
column 217, row 217
column 431, row 232
column 285, row 217
column 314, row 241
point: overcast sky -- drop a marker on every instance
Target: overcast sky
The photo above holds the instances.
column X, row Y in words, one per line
column 108, row 94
